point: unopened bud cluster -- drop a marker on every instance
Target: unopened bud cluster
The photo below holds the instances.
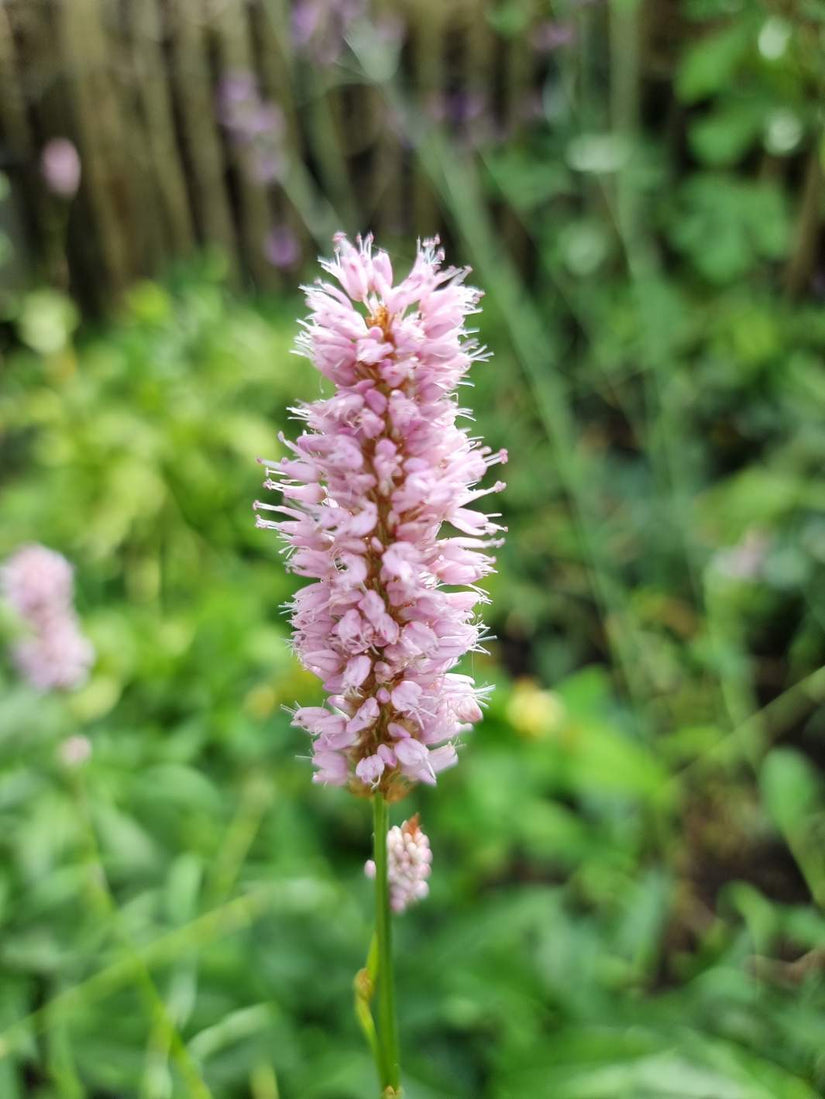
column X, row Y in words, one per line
column 409, row 860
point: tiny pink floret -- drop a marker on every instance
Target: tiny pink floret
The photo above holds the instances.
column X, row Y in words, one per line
column 375, row 513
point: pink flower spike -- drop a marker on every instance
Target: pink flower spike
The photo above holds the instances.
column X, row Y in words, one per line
column 378, row 513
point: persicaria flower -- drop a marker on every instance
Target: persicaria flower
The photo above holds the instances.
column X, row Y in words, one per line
column 38, row 583
column 409, row 861
column 376, row 514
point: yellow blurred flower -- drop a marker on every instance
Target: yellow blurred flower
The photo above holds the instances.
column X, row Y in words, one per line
column 260, row 701
column 533, row 711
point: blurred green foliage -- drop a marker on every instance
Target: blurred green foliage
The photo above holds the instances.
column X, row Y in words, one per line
column 628, row 863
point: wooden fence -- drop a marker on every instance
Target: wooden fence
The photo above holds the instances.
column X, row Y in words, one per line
column 136, row 85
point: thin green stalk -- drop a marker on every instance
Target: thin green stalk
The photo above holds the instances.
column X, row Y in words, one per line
column 364, row 989
column 387, row 1023
column 165, row 1038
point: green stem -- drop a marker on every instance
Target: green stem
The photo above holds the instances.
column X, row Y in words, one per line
column 364, row 988
column 387, row 1024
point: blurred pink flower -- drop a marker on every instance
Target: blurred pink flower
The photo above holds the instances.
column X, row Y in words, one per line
column 36, row 579
column 75, row 750
column 255, row 124
column 320, row 27
column 456, row 108
column 382, row 465
column 467, row 115
column 60, row 165
column 56, row 656
column 282, row 247
column 550, row 35
column 37, row 583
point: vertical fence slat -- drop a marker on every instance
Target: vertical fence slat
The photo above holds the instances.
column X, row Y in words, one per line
column 277, row 80
column 83, row 49
column 230, row 23
column 277, row 68
column 519, row 68
column 325, row 138
column 12, row 104
column 384, row 192
column 159, row 172
column 17, row 147
column 150, row 243
column 154, row 95
column 519, row 71
column 478, row 59
column 428, row 23
column 200, row 139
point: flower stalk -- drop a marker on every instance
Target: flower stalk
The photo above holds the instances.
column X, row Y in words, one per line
column 389, row 1066
column 364, row 990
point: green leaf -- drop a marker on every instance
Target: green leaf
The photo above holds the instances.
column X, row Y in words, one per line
column 723, row 137
column 725, row 225
column 792, row 790
column 711, row 63
column 509, row 17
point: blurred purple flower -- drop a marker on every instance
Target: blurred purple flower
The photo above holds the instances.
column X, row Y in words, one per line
column 456, row 108
column 307, row 19
column 235, row 88
column 60, row 165
column 267, row 165
column 35, row 579
column 265, row 120
column 255, row 124
column 466, row 114
column 549, row 35
column 390, row 29
column 59, row 657
column 282, row 248
column 320, row 27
